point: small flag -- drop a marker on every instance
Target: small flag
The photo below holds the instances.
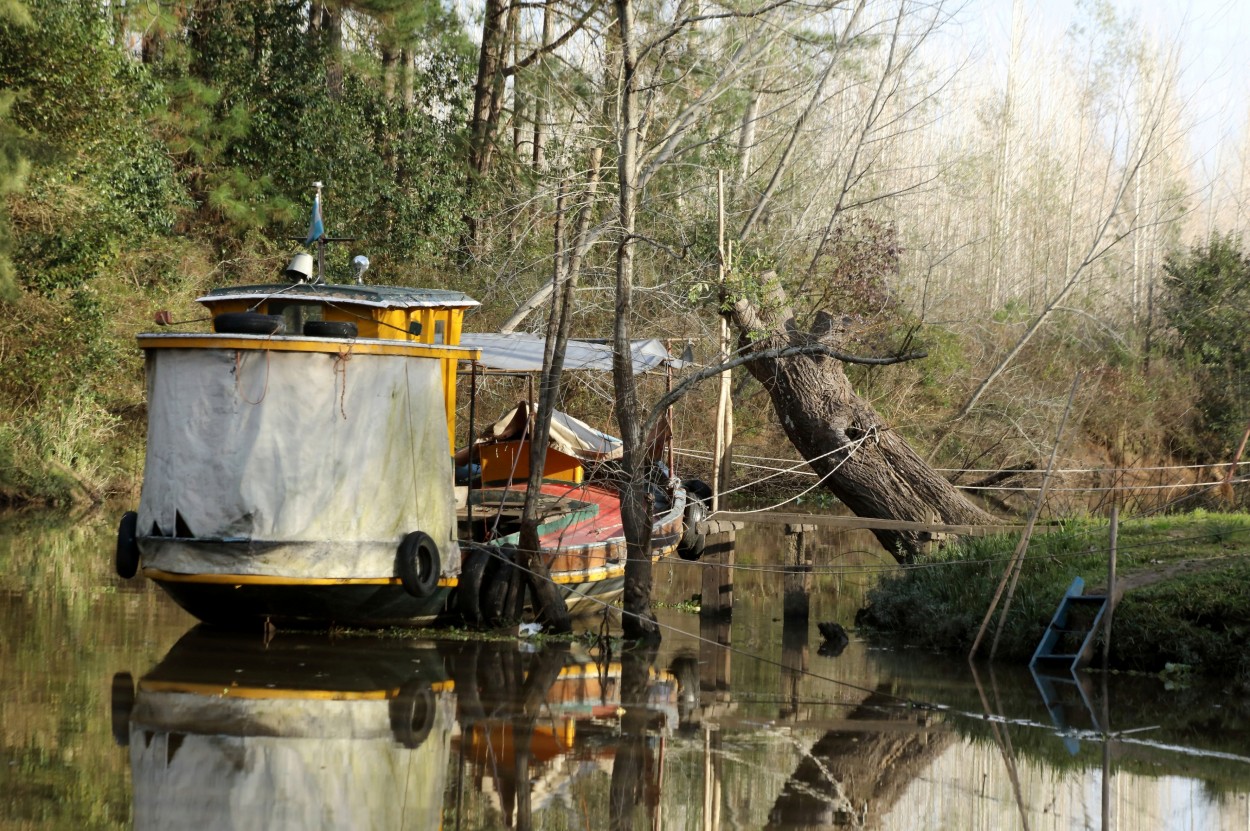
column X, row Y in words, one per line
column 316, row 228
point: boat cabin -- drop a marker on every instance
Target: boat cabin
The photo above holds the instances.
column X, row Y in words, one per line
column 433, row 316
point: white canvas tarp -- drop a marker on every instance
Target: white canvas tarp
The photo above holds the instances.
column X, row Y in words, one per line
column 523, row 352
column 337, row 456
column 568, row 434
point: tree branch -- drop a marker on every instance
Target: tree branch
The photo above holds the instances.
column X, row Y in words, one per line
column 687, row 384
column 529, row 59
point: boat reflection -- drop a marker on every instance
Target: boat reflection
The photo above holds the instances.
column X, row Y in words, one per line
column 308, row 731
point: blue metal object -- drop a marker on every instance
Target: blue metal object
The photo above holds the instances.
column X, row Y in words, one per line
column 1059, row 643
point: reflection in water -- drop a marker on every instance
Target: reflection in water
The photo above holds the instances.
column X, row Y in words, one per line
column 309, row 731
column 861, row 765
column 300, row 733
column 741, row 725
column 371, row 732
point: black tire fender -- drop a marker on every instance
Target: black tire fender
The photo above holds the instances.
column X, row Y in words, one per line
column 412, row 714
column 700, row 490
column 474, row 561
column 122, row 702
column 418, row 565
column 249, row 323
column 692, row 543
column 126, row 558
column 495, row 586
column 330, row 329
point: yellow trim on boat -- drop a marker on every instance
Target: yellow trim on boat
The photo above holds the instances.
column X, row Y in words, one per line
column 260, row 693
column 593, row 575
column 282, row 343
column 590, row 576
column 277, row 580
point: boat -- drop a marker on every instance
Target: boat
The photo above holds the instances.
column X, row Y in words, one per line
column 299, row 467
column 368, row 731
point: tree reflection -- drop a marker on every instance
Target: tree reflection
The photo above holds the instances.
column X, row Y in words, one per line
column 638, row 764
column 858, row 769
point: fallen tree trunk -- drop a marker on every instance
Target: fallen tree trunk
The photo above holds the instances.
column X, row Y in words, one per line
column 857, row 455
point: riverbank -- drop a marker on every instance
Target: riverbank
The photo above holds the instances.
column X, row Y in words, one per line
column 1185, row 608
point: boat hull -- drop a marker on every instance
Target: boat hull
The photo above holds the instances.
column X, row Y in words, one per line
column 243, row 605
column 240, row 600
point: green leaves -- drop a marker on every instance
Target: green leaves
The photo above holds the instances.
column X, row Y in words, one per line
column 1207, row 305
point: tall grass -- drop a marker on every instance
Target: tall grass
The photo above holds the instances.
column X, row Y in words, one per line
column 1198, row 618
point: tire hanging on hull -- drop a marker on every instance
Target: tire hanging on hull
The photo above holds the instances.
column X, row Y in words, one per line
column 126, row 558
column 417, row 564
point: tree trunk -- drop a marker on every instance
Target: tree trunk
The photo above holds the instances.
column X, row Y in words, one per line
column 488, row 88
column 549, row 603
column 390, row 67
column 406, row 73
column 331, row 28
column 635, row 769
column 639, row 620
column 541, row 97
column 857, row 456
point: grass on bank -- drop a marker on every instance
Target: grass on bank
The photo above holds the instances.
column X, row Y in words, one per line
column 1198, row 620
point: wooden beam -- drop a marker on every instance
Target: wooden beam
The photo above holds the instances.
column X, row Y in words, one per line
column 862, row 523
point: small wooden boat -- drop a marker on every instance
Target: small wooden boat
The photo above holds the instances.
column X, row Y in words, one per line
column 299, row 469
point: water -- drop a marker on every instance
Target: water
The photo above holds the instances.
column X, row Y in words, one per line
column 117, row 711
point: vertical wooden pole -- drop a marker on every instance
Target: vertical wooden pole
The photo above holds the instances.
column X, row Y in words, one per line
column 718, row 450
column 725, row 404
column 668, row 414
column 718, row 572
column 468, row 506
column 793, row 669
column 1111, row 589
column 797, row 579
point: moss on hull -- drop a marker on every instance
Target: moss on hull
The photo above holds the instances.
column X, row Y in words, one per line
column 1186, row 601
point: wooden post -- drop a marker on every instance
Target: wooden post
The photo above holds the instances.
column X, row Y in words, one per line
column 718, row 450
column 714, row 661
column 711, row 778
column 1111, row 598
column 794, row 636
column 718, row 561
column 797, row 581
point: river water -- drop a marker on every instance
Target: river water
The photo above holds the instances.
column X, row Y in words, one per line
column 116, row 711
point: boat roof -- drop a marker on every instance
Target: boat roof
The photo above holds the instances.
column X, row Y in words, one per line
column 523, row 352
column 387, row 297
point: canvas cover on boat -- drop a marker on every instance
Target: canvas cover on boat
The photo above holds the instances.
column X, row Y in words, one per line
column 203, row 762
column 568, row 435
column 336, row 455
column 523, row 352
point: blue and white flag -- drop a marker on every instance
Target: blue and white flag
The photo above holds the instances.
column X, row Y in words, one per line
column 316, row 228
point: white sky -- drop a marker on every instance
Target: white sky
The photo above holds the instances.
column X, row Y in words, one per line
column 1215, row 52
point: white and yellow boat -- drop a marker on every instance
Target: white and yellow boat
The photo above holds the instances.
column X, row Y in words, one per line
column 299, row 468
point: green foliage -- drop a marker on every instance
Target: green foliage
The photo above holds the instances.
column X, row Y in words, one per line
column 1206, row 295
column 253, row 121
column 97, row 178
column 13, row 171
column 1200, row 618
column 137, row 142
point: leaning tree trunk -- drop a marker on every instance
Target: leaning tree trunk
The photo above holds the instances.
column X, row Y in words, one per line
column 856, row 454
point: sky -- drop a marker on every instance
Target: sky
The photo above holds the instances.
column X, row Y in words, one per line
column 1215, row 53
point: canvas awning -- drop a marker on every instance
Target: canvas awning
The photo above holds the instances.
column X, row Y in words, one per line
column 523, row 352
column 569, row 435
